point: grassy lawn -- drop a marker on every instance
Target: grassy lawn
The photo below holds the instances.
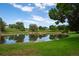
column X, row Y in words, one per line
column 64, row 47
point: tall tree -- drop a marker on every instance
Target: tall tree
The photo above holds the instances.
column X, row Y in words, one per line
column 33, row 27
column 20, row 26
column 43, row 28
column 68, row 11
column 52, row 27
column 2, row 25
column 12, row 25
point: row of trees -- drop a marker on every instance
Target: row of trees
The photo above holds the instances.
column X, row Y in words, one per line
column 62, row 28
column 18, row 25
column 32, row 27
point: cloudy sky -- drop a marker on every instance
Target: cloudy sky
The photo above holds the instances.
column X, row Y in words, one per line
column 28, row 13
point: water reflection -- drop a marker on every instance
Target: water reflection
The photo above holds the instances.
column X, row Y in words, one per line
column 51, row 36
column 27, row 38
column 57, row 36
column 33, row 37
column 9, row 39
column 2, row 39
column 20, row 38
column 43, row 38
column 43, row 35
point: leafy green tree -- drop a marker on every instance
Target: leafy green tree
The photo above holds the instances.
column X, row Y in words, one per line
column 20, row 26
column 2, row 25
column 42, row 28
column 68, row 11
column 57, row 22
column 63, row 28
column 33, row 27
column 52, row 28
column 12, row 25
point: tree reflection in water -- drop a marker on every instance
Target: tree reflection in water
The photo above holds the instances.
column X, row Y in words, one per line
column 2, row 39
column 51, row 36
column 33, row 37
column 42, row 35
column 9, row 39
column 20, row 38
column 57, row 36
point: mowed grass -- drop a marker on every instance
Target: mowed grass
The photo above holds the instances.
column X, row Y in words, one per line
column 64, row 47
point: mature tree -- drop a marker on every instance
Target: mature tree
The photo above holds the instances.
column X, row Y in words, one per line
column 52, row 27
column 12, row 25
column 20, row 26
column 42, row 28
column 57, row 22
column 63, row 28
column 45, row 28
column 68, row 11
column 33, row 27
column 2, row 25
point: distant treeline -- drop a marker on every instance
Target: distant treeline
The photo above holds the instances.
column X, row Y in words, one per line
column 32, row 27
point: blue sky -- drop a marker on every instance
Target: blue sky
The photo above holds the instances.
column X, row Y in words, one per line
column 28, row 13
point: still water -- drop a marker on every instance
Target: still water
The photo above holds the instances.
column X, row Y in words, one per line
column 12, row 39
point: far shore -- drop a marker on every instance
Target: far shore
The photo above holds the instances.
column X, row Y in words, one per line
column 5, row 34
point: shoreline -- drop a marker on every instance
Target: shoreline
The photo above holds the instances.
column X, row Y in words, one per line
column 40, row 33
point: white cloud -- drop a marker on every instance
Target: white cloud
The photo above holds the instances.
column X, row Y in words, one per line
column 26, row 8
column 18, row 20
column 24, row 21
column 42, row 19
column 43, row 5
column 38, row 18
column 30, row 8
column 23, row 8
column 39, row 5
column 50, row 4
column 43, row 22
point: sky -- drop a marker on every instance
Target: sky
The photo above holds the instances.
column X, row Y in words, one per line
column 28, row 13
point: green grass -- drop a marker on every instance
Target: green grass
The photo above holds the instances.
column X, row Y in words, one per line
column 64, row 47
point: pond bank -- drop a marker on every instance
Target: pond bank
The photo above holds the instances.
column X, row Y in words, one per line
column 38, row 33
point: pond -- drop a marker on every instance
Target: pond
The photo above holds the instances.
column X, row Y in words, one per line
column 12, row 39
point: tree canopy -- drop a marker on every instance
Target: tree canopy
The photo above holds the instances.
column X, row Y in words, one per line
column 33, row 27
column 68, row 11
column 43, row 28
column 18, row 25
